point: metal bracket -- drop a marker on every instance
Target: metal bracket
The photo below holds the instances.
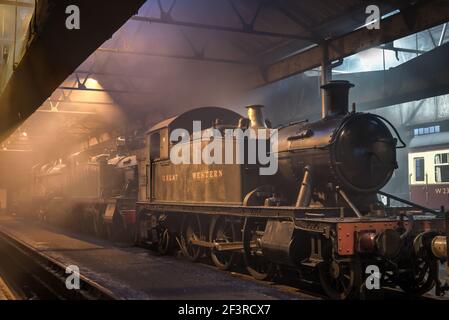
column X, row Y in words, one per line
column 247, row 27
column 316, row 38
column 81, row 85
column 166, row 14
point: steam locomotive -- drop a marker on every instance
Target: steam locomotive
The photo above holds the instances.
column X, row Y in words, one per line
column 90, row 193
column 318, row 214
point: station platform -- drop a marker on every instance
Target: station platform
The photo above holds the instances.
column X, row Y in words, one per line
column 137, row 273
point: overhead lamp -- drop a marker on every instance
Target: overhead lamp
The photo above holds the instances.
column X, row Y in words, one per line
column 92, row 83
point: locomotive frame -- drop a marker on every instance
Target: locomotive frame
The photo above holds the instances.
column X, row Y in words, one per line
column 196, row 226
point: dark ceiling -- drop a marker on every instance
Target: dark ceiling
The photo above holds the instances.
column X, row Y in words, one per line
column 175, row 55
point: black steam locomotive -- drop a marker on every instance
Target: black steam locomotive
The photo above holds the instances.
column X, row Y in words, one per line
column 319, row 214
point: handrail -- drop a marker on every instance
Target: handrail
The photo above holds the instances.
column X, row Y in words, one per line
column 412, row 204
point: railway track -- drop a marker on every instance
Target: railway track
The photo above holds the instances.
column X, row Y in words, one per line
column 313, row 291
column 32, row 275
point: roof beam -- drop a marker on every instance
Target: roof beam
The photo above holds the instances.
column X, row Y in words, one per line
column 101, row 90
column 425, row 15
column 423, row 77
column 242, row 30
column 194, row 57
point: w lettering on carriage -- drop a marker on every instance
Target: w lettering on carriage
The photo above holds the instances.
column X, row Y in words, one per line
column 443, row 190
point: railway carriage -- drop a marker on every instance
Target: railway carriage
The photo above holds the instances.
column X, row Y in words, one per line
column 429, row 174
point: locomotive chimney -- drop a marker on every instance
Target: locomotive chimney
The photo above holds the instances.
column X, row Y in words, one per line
column 255, row 116
column 337, row 97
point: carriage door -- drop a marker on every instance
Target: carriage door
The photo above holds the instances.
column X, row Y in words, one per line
column 440, row 190
column 418, row 180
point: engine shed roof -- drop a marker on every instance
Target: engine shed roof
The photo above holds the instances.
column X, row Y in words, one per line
column 171, row 56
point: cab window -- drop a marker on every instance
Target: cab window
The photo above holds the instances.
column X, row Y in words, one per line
column 155, row 146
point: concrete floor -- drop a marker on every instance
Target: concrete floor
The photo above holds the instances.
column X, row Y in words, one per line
column 136, row 273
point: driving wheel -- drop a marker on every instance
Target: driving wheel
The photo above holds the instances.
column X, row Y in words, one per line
column 223, row 230
column 191, row 231
column 419, row 280
column 340, row 280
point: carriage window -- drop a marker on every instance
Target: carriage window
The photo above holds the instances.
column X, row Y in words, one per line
column 441, row 158
column 442, row 167
column 426, row 130
column 419, row 169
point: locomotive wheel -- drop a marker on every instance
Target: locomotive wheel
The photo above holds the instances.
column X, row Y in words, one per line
column 165, row 245
column 191, row 230
column 420, row 279
column 340, row 280
column 256, row 264
column 222, row 230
